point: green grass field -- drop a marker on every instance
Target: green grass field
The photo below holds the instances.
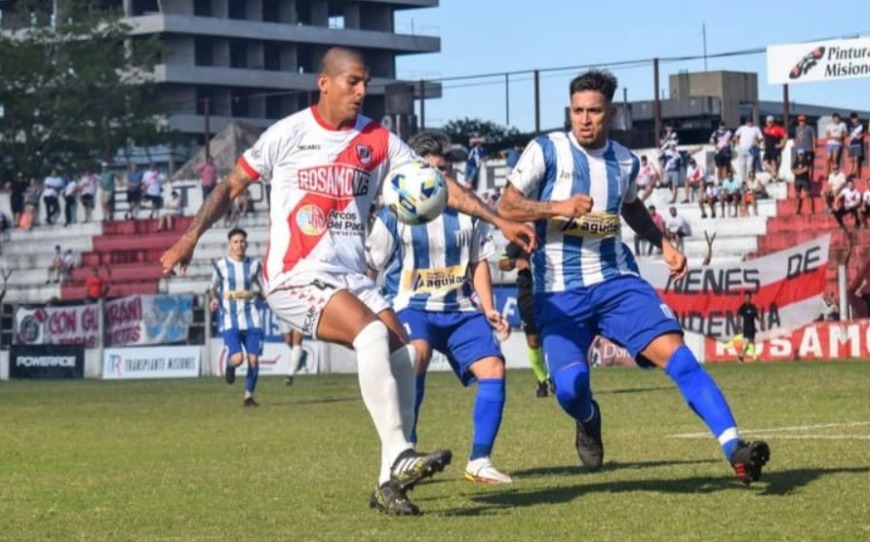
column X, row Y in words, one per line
column 182, row 460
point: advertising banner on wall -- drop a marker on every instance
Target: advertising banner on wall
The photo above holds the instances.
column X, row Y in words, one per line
column 47, row 361
column 148, row 319
column 275, row 359
column 73, row 324
column 152, row 362
column 818, row 61
column 786, row 287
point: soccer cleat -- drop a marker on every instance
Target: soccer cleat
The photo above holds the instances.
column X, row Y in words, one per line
column 412, row 466
column 748, row 459
column 543, row 389
column 249, row 402
column 230, row 374
column 482, row 470
column 391, row 499
column 288, row 381
column 588, row 441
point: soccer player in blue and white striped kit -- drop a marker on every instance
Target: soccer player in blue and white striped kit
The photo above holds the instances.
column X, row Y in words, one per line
column 429, row 273
column 235, row 287
column 575, row 185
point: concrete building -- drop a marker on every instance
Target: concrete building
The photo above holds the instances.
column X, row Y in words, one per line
column 256, row 60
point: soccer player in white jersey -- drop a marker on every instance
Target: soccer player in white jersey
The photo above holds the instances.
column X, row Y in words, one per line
column 430, row 272
column 575, row 185
column 235, row 287
column 325, row 165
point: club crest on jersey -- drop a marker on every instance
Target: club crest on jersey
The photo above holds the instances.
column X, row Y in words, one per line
column 310, row 220
column 338, row 181
column 364, row 152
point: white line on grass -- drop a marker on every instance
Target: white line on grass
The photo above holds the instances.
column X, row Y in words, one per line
column 791, row 428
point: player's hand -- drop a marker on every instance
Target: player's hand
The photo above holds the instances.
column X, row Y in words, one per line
column 675, row 260
column 178, row 254
column 518, row 233
column 499, row 324
column 575, row 206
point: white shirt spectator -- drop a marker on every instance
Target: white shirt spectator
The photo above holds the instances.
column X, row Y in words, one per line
column 645, row 176
column 867, row 198
column 712, row 191
column 153, row 180
column 52, row 186
column 677, row 225
column 851, row 198
column 694, row 174
column 835, row 131
column 748, row 137
column 836, row 180
column 88, row 185
column 70, row 188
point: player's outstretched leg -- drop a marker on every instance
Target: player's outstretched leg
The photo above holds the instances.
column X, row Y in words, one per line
column 575, row 397
column 706, row 400
column 488, row 409
column 251, row 384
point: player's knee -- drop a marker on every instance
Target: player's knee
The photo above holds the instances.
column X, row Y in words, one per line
column 374, row 332
column 490, row 367
column 572, row 383
column 253, row 361
column 236, row 359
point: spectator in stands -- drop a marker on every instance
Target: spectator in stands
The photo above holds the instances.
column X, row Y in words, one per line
column 849, row 203
column 668, row 136
column 863, row 291
column 51, row 188
column 721, row 138
column 31, row 205
column 512, row 156
column 753, row 190
column 16, row 188
column 647, row 178
column 207, row 177
column 96, row 287
column 68, row 263
column 659, row 221
column 169, row 211
column 55, row 266
column 835, row 132
column 676, row 228
column 836, row 182
column 153, row 181
column 87, row 193
column 70, row 201
column 673, row 165
column 865, row 214
column 856, row 145
column 747, row 139
column 709, row 196
column 801, row 169
column 830, row 309
column 805, row 140
column 135, row 178
column 774, row 141
column 476, row 159
column 694, row 181
column 107, row 192
column 731, row 193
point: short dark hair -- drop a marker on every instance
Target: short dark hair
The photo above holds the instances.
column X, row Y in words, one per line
column 236, row 231
column 595, row 80
column 430, row 142
column 853, row 115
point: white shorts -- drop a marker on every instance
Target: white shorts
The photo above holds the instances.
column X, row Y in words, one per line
column 299, row 302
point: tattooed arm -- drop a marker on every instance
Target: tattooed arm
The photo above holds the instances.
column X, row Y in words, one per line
column 514, row 206
column 212, row 209
column 466, row 201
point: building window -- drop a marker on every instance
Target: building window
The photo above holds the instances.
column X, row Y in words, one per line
column 273, row 107
column 336, row 21
column 203, row 52
column 238, row 54
column 202, row 8
column 239, row 103
column 145, row 7
column 271, row 11
column 272, row 57
column 238, row 11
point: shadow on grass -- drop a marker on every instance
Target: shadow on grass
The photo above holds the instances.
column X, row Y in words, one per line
column 318, row 401
column 563, row 470
column 776, row 483
column 633, row 390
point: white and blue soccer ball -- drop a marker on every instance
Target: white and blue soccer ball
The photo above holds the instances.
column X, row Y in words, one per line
column 416, row 192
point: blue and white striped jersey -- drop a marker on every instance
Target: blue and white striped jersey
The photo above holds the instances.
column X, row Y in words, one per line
column 426, row 267
column 575, row 253
column 237, row 284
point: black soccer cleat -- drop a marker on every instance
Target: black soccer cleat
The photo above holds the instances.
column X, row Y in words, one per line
column 590, row 447
column 249, row 402
column 288, row 381
column 391, row 499
column 412, row 466
column 543, row 389
column 230, row 374
column 748, row 459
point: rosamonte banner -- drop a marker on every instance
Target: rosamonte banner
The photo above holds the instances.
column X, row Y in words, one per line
column 786, row 287
column 818, row 61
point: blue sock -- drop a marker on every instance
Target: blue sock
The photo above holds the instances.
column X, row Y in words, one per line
column 704, row 397
column 418, row 400
column 573, row 392
column 251, row 377
column 488, row 407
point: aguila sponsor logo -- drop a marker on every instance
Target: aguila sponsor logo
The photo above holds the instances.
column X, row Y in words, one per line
column 336, row 180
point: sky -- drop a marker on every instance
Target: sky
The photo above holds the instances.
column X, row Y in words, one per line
column 488, row 36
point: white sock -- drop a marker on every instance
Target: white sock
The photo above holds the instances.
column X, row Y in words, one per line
column 295, row 358
column 380, row 393
column 402, row 363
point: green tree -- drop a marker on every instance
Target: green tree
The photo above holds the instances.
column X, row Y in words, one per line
column 497, row 136
column 74, row 92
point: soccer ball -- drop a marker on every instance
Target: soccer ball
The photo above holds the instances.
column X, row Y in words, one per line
column 416, row 192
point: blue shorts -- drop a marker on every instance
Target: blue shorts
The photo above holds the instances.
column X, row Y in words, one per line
column 251, row 338
column 625, row 309
column 834, row 146
column 464, row 337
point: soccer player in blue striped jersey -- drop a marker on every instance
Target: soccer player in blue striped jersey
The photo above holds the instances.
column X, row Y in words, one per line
column 575, row 186
column 235, row 287
column 429, row 273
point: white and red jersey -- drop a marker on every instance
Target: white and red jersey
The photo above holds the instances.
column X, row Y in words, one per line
column 324, row 182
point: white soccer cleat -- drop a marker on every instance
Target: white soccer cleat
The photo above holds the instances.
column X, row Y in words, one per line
column 483, row 471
